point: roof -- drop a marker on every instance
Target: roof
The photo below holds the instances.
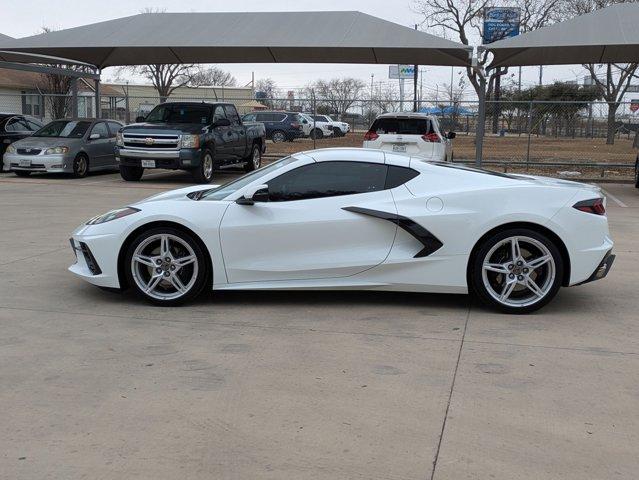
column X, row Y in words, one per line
column 404, row 115
column 5, row 38
column 23, row 80
column 609, row 35
column 247, row 37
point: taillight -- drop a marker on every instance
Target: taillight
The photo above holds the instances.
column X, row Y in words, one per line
column 431, row 137
column 594, row 205
column 295, row 125
column 371, row 135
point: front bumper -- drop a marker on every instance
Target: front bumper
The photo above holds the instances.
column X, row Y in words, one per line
column 182, row 159
column 38, row 163
column 96, row 259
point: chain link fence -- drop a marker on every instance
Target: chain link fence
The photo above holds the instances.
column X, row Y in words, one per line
column 561, row 138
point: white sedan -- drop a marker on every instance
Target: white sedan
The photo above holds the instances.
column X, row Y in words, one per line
column 355, row 219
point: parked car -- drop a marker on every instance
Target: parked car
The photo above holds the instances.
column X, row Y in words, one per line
column 197, row 137
column 315, row 128
column 355, row 219
column 339, row 128
column 280, row 126
column 72, row 145
column 15, row 127
column 412, row 133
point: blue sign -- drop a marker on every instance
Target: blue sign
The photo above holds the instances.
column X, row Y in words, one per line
column 500, row 23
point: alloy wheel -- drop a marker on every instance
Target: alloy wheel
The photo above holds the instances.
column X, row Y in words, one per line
column 518, row 271
column 164, row 267
column 207, row 167
column 257, row 158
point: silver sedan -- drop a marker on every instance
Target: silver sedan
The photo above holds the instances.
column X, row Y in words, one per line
column 75, row 146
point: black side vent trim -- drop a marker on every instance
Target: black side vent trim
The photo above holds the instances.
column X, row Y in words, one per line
column 431, row 242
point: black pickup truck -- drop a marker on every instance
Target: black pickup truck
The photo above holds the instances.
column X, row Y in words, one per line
column 198, row 137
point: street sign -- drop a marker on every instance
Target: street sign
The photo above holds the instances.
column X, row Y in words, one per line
column 500, row 23
column 401, row 71
column 634, row 105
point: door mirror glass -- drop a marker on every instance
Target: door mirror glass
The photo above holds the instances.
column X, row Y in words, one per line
column 222, row 122
column 451, row 135
column 255, row 193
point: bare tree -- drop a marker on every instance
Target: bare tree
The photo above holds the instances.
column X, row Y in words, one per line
column 386, row 97
column 339, row 94
column 616, row 77
column 214, row 76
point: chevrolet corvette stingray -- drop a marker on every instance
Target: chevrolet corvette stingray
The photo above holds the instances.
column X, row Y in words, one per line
column 355, row 219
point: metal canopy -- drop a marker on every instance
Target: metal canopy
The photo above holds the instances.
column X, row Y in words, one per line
column 264, row 37
column 10, row 59
column 609, row 35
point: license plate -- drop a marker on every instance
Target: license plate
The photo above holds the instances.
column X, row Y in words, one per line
column 399, row 148
column 148, row 163
column 24, row 163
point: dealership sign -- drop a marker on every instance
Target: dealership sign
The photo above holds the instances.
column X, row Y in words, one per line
column 500, row 23
column 401, row 71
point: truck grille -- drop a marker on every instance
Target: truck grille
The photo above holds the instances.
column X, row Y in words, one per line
column 151, row 142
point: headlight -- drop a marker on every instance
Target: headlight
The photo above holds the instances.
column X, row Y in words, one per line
column 113, row 215
column 10, row 149
column 190, row 141
column 119, row 140
column 56, row 150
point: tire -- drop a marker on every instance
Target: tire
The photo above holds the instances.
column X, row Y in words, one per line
column 316, row 134
column 22, row 173
column 131, row 174
column 637, row 172
column 254, row 160
column 80, row 166
column 160, row 277
column 493, row 273
column 278, row 136
column 204, row 173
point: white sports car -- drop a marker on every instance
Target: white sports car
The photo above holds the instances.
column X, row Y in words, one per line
column 355, row 219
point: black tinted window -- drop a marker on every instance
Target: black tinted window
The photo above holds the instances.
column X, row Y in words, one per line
column 176, row 113
column 397, row 176
column 231, row 114
column 327, row 179
column 401, row 126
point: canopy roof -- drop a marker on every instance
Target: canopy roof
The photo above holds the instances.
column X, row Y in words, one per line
column 264, row 37
column 609, row 35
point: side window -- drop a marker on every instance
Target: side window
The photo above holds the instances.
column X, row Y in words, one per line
column 231, row 114
column 33, row 126
column 250, row 117
column 399, row 176
column 279, row 117
column 100, row 129
column 218, row 114
column 113, row 128
column 327, row 179
column 17, row 124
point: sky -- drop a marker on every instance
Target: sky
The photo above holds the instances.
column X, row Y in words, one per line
column 32, row 15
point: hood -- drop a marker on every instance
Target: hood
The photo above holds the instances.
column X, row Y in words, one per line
column 177, row 128
column 46, row 142
column 179, row 194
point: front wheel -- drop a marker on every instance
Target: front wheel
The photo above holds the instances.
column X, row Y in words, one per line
column 278, row 136
column 204, row 173
column 131, row 174
column 81, row 166
column 316, row 134
column 637, row 172
column 516, row 271
column 254, row 161
column 166, row 266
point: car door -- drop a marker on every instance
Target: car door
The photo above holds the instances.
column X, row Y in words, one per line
column 223, row 136
column 238, row 137
column 99, row 149
column 114, row 127
column 305, row 231
column 444, row 149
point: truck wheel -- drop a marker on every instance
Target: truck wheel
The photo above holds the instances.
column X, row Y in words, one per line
column 637, row 172
column 278, row 136
column 131, row 174
column 204, row 173
column 254, row 161
column 316, row 134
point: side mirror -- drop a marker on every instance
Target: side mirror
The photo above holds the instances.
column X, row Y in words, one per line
column 255, row 193
column 222, row 122
column 94, row 136
column 139, row 119
column 451, row 135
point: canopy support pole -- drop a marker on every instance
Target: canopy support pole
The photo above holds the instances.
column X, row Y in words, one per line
column 74, row 97
column 98, row 101
column 481, row 121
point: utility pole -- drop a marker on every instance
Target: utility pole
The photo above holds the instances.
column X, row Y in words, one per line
column 451, row 86
column 519, row 79
column 541, row 75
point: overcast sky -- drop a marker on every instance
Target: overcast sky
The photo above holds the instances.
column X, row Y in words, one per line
column 27, row 17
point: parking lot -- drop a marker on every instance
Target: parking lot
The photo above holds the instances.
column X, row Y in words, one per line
column 302, row 385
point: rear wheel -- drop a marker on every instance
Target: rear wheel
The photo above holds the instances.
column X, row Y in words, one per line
column 131, row 174
column 637, row 172
column 517, row 271
column 22, row 173
column 254, row 161
column 316, row 134
column 204, row 173
column 81, row 166
column 278, row 136
column 166, row 266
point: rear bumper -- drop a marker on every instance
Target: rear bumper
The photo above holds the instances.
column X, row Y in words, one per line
column 602, row 269
column 169, row 159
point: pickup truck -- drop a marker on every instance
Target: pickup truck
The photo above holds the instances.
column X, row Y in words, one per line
column 198, row 137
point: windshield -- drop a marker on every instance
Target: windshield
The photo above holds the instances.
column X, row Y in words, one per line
column 64, row 129
column 175, row 113
column 224, row 191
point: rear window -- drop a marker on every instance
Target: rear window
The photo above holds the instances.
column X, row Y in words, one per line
column 401, row 126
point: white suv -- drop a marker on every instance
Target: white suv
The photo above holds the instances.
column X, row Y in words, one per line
column 339, row 128
column 315, row 128
column 412, row 133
